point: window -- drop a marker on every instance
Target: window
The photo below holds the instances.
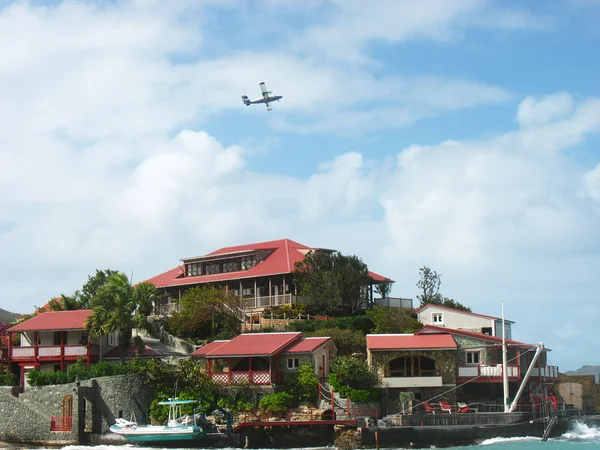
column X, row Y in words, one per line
column 248, row 262
column 293, row 363
column 112, row 341
column 472, row 357
column 212, row 268
column 194, row 269
column 230, row 266
column 437, row 318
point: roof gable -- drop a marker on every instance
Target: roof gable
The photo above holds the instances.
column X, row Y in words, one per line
column 252, row 344
column 459, row 311
column 410, row 342
column 54, row 321
column 307, row 345
column 432, row 329
column 285, row 254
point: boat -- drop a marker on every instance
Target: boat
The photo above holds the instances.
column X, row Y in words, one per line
column 178, row 427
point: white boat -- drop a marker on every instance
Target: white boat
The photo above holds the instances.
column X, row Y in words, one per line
column 174, row 430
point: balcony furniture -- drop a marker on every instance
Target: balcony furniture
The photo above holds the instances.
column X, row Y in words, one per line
column 447, row 407
column 429, row 408
column 464, row 408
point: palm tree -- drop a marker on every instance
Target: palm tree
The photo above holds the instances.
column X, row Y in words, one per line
column 63, row 303
column 119, row 306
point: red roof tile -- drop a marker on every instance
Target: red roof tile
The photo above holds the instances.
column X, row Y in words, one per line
column 432, row 329
column 281, row 261
column 424, row 307
column 409, row 342
column 254, row 344
column 131, row 352
column 203, row 351
column 54, row 321
column 307, row 345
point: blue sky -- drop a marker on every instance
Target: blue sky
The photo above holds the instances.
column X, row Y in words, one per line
column 461, row 135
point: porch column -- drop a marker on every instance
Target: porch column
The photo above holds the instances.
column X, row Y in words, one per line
column 209, row 368
column 250, row 379
column 518, row 363
column 35, row 347
column 62, row 351
column 9, row 347
column 255, row 294
column 229, row 371
column 284, row 293
column 270, row 293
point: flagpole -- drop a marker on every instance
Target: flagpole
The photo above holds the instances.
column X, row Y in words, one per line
column 504, row 364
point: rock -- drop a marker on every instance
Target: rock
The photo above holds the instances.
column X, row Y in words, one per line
column 348, row 440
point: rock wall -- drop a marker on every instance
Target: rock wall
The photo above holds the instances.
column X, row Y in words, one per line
column 26, row 419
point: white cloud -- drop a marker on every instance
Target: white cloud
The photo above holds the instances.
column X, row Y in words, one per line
column 553, row 107
column 591, row 182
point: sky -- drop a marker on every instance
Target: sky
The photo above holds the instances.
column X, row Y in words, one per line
column 458, row 135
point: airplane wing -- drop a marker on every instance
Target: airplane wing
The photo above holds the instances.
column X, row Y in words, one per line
column 263, row 88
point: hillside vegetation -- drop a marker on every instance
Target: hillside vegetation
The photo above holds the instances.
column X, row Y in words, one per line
column 7, row 316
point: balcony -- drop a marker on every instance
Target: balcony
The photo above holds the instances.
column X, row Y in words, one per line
column 241, row 378
column 549, row 372
column 268, row 301
column 50, row 353
column 410, row 382
column 487, row 373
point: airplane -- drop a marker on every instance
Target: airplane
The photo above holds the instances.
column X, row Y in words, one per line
column 266, row 98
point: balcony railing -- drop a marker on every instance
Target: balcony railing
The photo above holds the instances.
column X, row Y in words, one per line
column 268, row 301
column 545, row 372
column 486, row 372
column 406, row 382
column 53, row 352
column 243, row 378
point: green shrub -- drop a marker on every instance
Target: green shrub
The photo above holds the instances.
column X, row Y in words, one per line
column 272, row 402
column 8, row 379
column 351, row 372
column 304, row 385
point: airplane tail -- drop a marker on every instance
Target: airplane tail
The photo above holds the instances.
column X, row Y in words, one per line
column 246, row 100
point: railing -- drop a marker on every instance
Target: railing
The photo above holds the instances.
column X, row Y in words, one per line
column 166, row 309
column 488, row 371
column 61, row 423
column 53, row 352
column 545, row 372
column 268, row 301
column 254, row 377
column 394, row 302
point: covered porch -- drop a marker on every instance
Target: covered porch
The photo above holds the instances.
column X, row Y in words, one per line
column 242, row 371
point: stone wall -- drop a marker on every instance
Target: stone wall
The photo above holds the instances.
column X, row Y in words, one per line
column 590, row 391
column 26, row 419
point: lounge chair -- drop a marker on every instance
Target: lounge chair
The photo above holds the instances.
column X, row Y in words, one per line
column 429, row 408
column 464, row 408
column 445, row 406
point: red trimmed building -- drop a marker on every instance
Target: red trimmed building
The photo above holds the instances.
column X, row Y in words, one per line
column 260, row 273
column 265, row 358
column 52, row 341
column 456, row 364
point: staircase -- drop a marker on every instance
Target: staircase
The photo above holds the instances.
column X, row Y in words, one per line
column 341, row 406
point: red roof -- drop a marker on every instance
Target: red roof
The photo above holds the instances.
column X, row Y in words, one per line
column 131, row 352
column 281, row 261
column 432, row 329
column 307, row 345
column 422, row 308
column 203, row 351
column 410, row 342
column 253, row 344
column 54, row 321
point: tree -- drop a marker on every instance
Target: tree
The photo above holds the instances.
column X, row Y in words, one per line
column 393, row 320
column 89, row 289
column 64, row 303
column 429, row 284
column 332, row 280
column 384, row 288
column 118, row 306
column 206, row 312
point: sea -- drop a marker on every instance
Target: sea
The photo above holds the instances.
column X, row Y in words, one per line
column 580, row 437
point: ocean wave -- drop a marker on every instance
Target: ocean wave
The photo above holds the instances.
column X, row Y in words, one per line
column 500, row 440
column 581, row 432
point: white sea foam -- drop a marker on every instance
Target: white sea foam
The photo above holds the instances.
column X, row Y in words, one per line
column 580, row 432
column 501, row 440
